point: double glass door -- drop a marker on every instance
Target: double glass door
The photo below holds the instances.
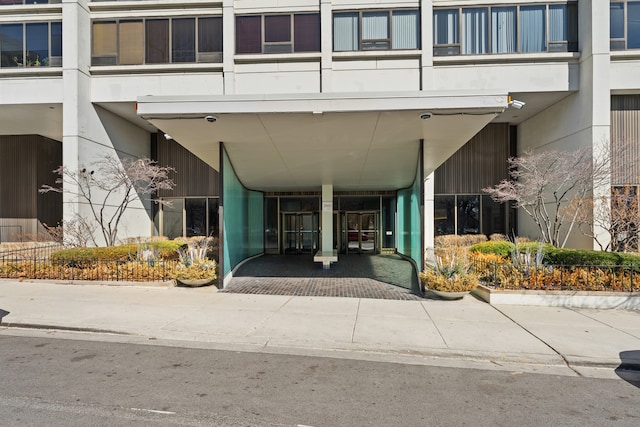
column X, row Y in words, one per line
column 300, row 232
column 361, row 232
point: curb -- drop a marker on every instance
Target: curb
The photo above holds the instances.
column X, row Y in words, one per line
column 60, row 328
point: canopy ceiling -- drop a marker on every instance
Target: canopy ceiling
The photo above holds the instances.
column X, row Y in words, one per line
column 299, row 142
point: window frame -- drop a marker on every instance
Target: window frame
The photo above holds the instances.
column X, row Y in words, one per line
column 376, row 44
column 26, row 63
column 200, row 56
column 570, row 44
column 617, row 43
column 280, row 47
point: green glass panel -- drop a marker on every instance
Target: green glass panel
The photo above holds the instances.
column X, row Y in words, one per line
column 409, row 229
column 243, row 219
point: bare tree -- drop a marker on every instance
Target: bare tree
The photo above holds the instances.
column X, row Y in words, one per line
column 109, row 186
column 553, row 188
column 618, row 215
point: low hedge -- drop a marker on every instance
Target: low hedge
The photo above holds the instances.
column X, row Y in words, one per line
column 496, row 247
column 165, row 249
column 558, row 256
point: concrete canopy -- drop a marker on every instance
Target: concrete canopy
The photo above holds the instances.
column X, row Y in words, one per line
column 356, row 142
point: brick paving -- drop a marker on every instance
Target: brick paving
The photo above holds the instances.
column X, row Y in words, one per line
column 353, row 276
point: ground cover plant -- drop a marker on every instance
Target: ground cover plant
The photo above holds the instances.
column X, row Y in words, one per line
column 156, row 260
column 537, row 266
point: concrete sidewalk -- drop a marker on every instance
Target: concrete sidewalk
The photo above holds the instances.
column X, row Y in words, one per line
column 465, row 333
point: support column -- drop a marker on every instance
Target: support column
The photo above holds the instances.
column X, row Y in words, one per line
column 229, row 48
column 326, row 46
column 326, row 246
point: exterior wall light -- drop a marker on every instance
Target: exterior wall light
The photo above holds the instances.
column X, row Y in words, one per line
column 426, row 115
column 211, row 119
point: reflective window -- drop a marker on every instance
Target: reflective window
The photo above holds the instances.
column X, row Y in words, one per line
column 376, row 30
column 284, row 33
column 33, row 44
column 191, row 216
column 156, row 41
column 506, row 29
column 195, row 217
column 469, row 214
column 624, row 25
column 172, row 218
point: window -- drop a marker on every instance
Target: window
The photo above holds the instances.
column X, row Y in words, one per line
column 34, row 44
column 506, row 29
column 376, row 30
column 156, row 41
column 190, row 216
column 14, row 2
column 278, row 33
column 625, row 25
column 469, row 214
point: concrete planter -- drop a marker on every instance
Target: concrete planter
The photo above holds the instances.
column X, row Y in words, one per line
column 575, row 299
column 194, row 283
column 445, row 295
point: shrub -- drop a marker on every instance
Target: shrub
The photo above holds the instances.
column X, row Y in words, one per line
column 452, row 240
column 557, row 256
column 79, row 256
column 497, row 247
column 449, row 273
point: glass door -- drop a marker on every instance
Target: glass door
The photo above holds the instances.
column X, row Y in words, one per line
column 300, row 232
column 361, row 232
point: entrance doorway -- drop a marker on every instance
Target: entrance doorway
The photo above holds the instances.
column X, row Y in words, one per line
column 300, row 232
column 361, row 232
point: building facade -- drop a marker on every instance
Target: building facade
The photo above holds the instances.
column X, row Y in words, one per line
column 313, row 125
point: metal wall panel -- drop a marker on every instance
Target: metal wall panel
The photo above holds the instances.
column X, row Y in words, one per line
column 26, row 163
column 193, row 177
column 480, row 163
column 625, row 141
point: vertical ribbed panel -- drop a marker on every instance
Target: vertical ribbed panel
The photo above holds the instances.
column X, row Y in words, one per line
column 625, row 142
column 49, row 159
column 480, row 163
column 26, row 163
column 193, row 177
column 18, row 176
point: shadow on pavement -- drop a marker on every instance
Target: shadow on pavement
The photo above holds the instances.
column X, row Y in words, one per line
column 2, row 314
column 629, row 369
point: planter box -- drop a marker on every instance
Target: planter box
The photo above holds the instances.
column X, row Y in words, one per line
column 575, row 299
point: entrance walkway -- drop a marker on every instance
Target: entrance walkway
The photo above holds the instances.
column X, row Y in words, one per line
column 355, row 276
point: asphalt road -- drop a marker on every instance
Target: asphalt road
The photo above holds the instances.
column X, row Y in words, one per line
column 49, row 382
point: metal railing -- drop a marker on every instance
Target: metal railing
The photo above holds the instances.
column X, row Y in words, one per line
column 22, row 267
column 559, row 277
column 30, row 252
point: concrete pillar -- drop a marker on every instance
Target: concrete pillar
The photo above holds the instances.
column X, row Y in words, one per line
column 327, row 219
column 426, row 44
column 77, row 89
column 326, row 45
column 429, row 217
column 596, row 83
column 229, row 47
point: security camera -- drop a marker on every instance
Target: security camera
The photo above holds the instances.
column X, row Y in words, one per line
column 426, row 116
column 211, row 119
column 517, row 104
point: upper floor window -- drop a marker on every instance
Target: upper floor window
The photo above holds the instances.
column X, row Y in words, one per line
column 376, row 30
column 625, row 25
column 13, row 2
column 506, row 29
column 298, row 32
column 156, row 41
column 33, row 44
